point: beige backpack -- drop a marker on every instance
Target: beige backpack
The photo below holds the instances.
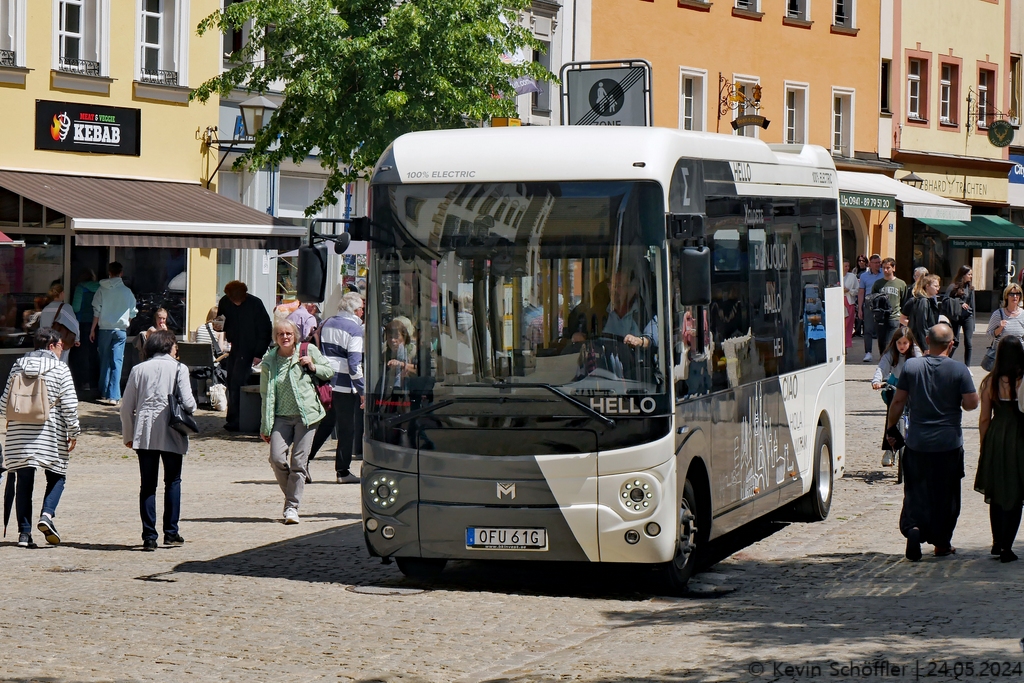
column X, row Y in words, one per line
column 28, row 400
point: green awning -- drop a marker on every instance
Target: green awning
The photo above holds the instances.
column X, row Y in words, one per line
column 981, row 232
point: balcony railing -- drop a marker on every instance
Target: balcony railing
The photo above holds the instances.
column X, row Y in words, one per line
column 79, row 66
column 8, row 58
column 160, row 77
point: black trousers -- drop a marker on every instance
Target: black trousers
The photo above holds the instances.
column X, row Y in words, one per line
column 149, row 471
column 1005, row 523
column 239, row 368
column 344, row 408
column 931, row 494
column 967, row 325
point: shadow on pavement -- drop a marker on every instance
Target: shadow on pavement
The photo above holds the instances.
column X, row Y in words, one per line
column 341, row 516
column 339, row 555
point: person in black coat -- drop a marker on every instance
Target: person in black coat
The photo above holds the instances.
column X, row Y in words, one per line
column 247, row 328
column 960, row 298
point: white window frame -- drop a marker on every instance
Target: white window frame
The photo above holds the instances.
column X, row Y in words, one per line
column 804, row 12
column 801, row 92
column 101, row 29
column 748, row 5
column 176, row 11
column 699, row 97
column 914, row 83
column 748, row 82
column 851, row 13
column 945, row 91
column 983, row 98
column 848, row 121
column 15, row 38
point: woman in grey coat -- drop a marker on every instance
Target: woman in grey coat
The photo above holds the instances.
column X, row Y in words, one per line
column 145, row 426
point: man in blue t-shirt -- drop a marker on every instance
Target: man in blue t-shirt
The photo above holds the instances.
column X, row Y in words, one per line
column 867, row 280
column 937, row 390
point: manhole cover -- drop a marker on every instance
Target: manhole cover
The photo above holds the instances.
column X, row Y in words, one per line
column 383, row 590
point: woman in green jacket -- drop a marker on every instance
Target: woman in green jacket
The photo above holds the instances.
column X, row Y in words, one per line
column 291, row 410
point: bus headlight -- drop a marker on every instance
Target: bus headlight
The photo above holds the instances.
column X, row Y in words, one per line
column 382, row 491
column 639, row 493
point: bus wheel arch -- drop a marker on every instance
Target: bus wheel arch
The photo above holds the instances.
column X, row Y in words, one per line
column 694, row 528
column 816, row 503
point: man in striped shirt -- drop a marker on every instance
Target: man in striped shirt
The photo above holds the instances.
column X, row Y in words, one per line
column 341, row 341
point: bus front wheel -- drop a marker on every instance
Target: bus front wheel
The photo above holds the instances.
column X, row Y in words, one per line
column 421, row 568
column 689, row 545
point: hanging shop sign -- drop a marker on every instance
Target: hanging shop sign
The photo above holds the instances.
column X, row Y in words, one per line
column 1000, row 133
column 74, row 127
column 750, row 120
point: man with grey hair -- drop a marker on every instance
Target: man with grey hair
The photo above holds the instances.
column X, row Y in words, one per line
column 341, row 341
column 937, row 389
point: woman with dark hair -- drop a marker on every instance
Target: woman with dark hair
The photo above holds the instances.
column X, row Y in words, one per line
column 960, row 305
column 46, row 446
column 902, row 347
column 1000, row 475
column 145, row 427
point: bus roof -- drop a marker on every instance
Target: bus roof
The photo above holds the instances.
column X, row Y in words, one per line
column 579, row 153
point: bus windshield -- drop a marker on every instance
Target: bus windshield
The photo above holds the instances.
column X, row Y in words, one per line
column 489, row 289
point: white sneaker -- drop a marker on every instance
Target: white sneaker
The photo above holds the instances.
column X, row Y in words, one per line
column 291, row 516
column 868, row 358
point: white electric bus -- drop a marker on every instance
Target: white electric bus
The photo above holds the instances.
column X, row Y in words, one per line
column 597, row 344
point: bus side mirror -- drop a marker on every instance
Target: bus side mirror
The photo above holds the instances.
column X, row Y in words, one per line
column 311, row 280
column 695, row 271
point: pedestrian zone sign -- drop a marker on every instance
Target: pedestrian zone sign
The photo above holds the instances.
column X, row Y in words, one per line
column 607, row 96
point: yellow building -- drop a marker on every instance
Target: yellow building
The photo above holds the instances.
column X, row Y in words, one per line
column 102, row 159
column 949, row 84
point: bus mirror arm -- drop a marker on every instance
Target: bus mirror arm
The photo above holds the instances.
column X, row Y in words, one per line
column 685, row 226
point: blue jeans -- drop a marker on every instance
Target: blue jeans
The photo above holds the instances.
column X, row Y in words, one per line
column 111, row 349
column 149, row 468
column 26, row 477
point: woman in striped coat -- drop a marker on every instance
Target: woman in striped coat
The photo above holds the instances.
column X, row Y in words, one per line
column 42, row 446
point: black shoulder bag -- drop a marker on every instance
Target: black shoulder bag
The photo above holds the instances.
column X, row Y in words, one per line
column 181, row 420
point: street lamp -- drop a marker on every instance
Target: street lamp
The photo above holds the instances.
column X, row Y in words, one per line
column 913, row 180
column 256, row 113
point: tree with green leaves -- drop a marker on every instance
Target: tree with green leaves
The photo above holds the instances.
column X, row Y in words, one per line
column 356, row 74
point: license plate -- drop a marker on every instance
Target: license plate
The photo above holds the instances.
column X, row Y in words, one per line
column 506, row 538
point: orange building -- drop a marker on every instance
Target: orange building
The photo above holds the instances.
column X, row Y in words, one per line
column 816, row 63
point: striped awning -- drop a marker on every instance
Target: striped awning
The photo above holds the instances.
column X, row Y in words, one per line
column 121, row 212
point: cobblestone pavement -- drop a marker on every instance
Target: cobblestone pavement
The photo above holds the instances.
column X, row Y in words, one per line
column 248, row 598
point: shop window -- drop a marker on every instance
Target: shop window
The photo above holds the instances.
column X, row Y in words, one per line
column 843, row 16
column 81, row 27
column 691, row 99
column 225, row 267
column 986, row 97
column 1015, row 86
column 746, row 89
column 163, row 42
column 796, row 114
column 26, row 276
column 12, row 33
column 842, row 123
column 883, row 95
column 917, row 90
column 797, row 9
column 948, row 82
column 149, row 272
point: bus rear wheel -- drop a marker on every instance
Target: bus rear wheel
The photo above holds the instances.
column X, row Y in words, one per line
column 689, row 545
column 421, row 568
column 816, row 503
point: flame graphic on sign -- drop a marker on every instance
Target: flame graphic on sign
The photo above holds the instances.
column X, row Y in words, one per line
column 60, row 127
